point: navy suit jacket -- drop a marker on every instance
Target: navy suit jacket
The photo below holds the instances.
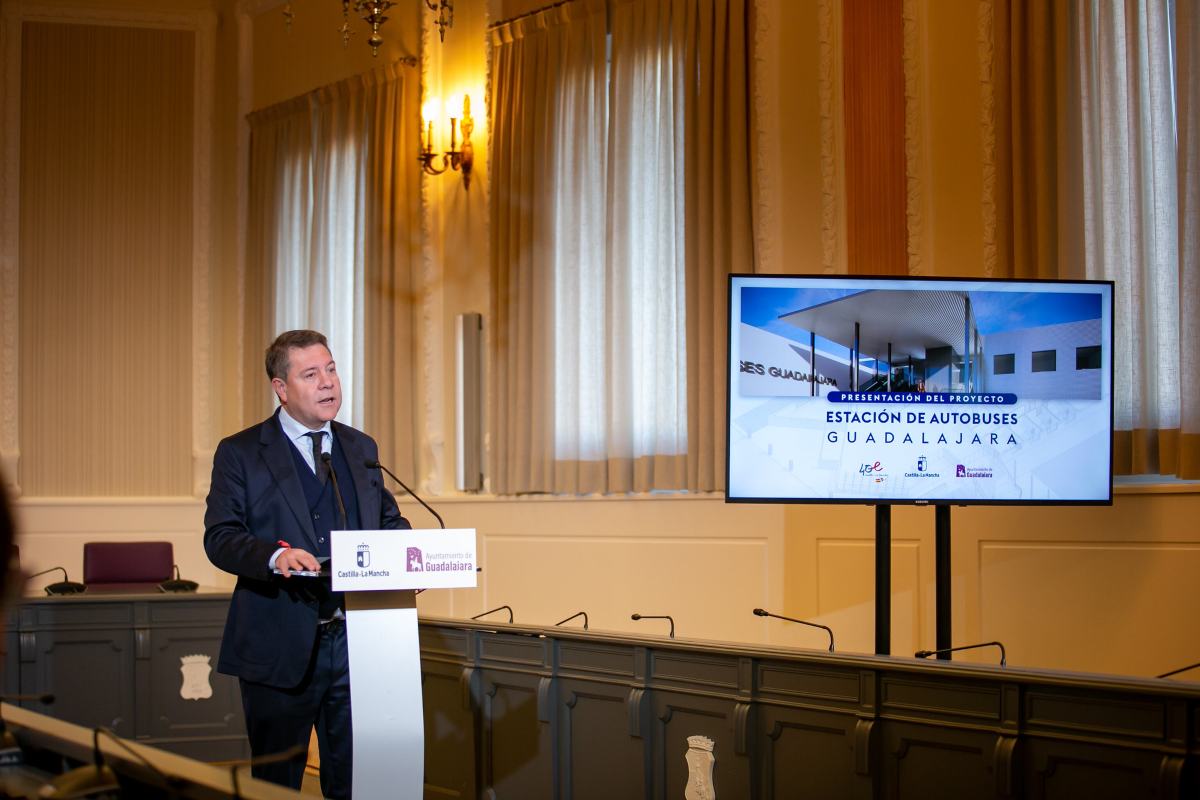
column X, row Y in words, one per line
column 255, row 500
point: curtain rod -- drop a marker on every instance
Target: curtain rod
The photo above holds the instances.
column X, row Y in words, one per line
column 528, row 14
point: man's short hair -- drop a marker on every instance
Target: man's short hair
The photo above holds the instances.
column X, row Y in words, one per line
column 278, row 356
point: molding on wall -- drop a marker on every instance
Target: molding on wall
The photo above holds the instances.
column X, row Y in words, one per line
column 914, row 141
column 766, row 89
column 985, row 38
column 10, row 92
column 833, row 233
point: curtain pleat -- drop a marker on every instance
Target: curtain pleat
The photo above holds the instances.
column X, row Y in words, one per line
column 718, row 211
column 1187, row 100
column 279, row 136
column 1032, row 96
column 391, row 254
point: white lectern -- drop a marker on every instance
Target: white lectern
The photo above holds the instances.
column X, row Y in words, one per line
column 379, row 571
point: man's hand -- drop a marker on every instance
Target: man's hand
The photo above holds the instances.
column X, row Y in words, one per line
column 293, row 559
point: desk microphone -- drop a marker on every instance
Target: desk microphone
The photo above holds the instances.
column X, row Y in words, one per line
column 762, row 612
column 1177, row 671
column 178, row 584
column 667, row 617
column 573, row 616
column 928, row 653
column 494, row 610
column 373, row 464
column 327, row 460
column 65, row 586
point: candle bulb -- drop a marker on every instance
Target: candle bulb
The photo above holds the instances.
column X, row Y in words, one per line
column 429, row 138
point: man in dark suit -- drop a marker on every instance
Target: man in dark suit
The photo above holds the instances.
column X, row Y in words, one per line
column 271, row 506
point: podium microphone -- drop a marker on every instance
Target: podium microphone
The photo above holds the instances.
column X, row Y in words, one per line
column 65, row 586
column 327, row 460
column 373, row 464
column 667, row 617
column 928, row 653
column 762, row 612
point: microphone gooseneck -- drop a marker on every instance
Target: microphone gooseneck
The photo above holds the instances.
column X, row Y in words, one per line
column 327, row 460
column 928, row 653
column 373, row 464
column 573, row 616
column 762, row 612
column 1177, row 671
column 494, row 610
column 667, row 617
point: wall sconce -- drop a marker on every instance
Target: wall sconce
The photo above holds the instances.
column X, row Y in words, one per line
column 458, row 158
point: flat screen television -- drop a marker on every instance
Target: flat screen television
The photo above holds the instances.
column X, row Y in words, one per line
column 919, row 390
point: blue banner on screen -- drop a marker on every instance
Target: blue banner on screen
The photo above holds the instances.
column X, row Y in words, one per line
column 885, row 390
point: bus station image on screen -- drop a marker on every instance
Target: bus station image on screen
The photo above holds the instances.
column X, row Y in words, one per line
column 1037, row 345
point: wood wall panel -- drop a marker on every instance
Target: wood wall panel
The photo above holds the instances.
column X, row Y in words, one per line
column 1092, row 598
column 846, row 595
column 105, row 278
column 613, row 576
column 790, row 723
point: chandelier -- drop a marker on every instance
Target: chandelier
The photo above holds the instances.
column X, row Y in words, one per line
column 374, row 13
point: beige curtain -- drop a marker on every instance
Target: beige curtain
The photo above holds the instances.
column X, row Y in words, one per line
column 717, row 213
column 620, row 202
column 1137, row 148
column 333, row 241
column 548, row 104
column 1098, row 168
column 279, row 136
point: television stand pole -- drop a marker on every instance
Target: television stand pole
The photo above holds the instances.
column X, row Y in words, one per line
column 941, row 522
column 883, row 580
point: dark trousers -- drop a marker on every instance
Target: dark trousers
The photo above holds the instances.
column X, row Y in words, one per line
column 277, row 719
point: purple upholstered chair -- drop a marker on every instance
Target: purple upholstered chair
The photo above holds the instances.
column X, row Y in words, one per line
column 135, row 566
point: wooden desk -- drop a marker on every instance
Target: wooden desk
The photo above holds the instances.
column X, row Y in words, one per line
column 522, row 711
column 132, row 662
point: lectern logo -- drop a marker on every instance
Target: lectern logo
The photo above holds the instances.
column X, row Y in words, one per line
column 922, row 463
column 700, row 762
column 195, row 671
column 416, row 562
column 364, row 556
